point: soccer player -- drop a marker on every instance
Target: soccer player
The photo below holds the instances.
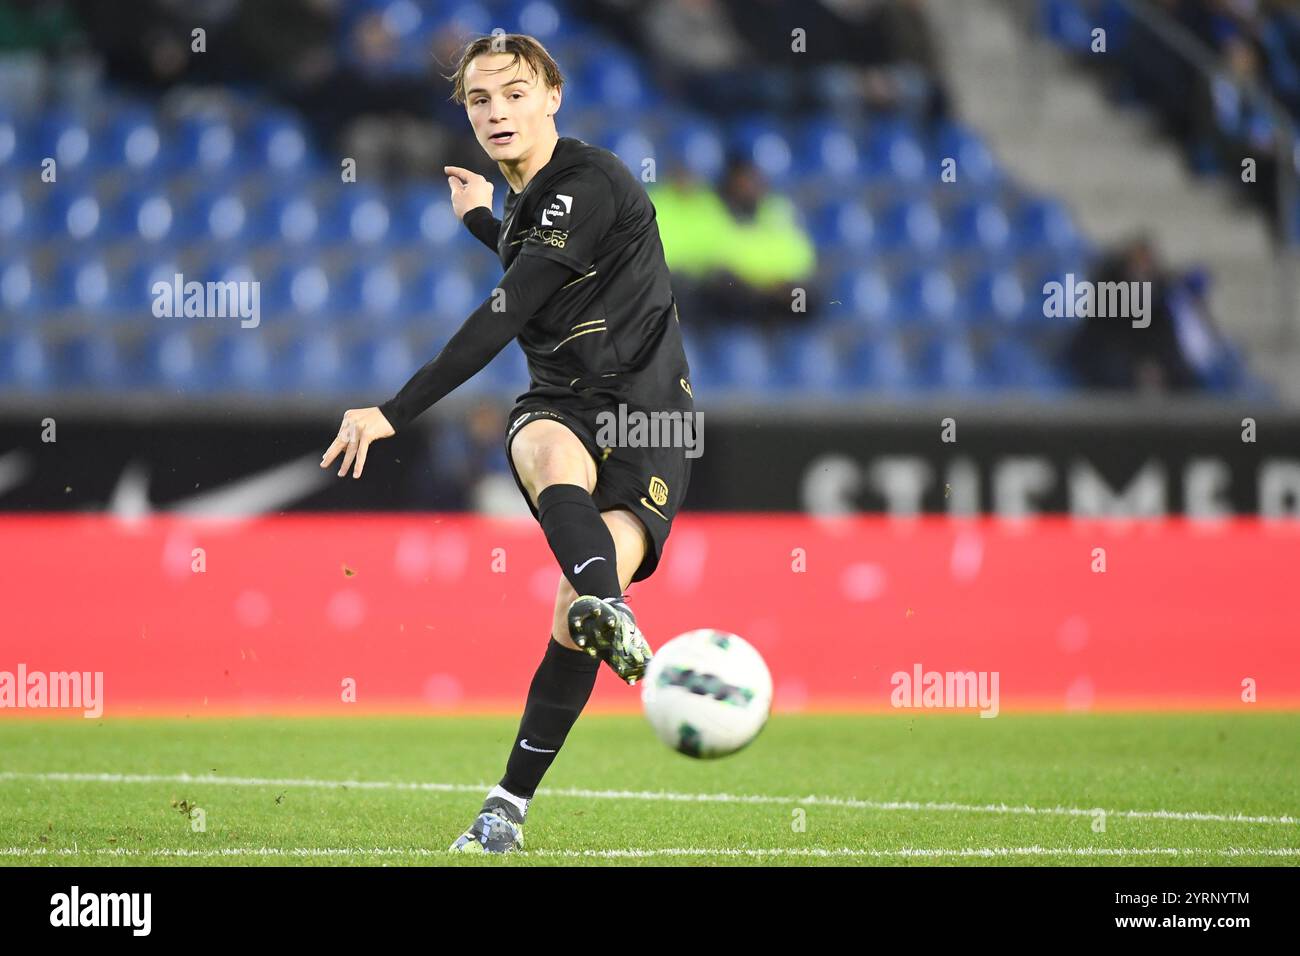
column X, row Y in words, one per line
column 586, row 294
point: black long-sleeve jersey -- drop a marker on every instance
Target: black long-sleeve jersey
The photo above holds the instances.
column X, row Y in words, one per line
column 586, row 290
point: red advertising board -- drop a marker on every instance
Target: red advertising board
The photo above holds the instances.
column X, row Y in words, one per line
column 439, row 613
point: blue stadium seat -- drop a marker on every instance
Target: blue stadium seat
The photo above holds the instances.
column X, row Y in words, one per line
column 292, row 218
column 279, row 145
column 170, row 360
column 304, row 288
column 865, row 297
column 946, row 363
column 219, row 215
column 878, row 363
column 147, row 214
column 21, row 290
column 84, row 283
column 76, row 214
column 239, row 361
column 382, row 362
column 536, row 18
column 372, row 290
column 1035, row 313
column 927, row 297
column 807, row 360
column 133, row 292
column 359, row 215
column 25, row 361
column 1066, row 22
column 976, row 168
column 205, row 144
column 89, row 360
column 741, row 359
column 1012, row 364
column 1045, row 224
column 910, row 225
column 18, row 218
column 616, row 82
column 631, row 145
column 829, row 150
column 844, row 225
column 980, row 225
column 66, row 136
column 469, row 18
column 440, row 299
column 698, row 147
column 765, row 143
column 996, row 296
column 425, row 215
column 313, row 361
column 894, row 153
column 134, row 141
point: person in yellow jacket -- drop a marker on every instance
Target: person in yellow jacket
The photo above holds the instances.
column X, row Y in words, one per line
column 741, row 251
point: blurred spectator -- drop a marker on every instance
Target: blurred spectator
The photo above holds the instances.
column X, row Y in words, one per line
column 730, row 56
column 737, row 255
column 1220, row 121
column 1181, row 350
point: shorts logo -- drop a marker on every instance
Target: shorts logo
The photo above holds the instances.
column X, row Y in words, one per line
column 536, row 411
column 658, row 490
column 645, row 502
column 553, row 211
column 686, row 387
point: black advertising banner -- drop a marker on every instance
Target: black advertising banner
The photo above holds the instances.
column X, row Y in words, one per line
column 1118, row 458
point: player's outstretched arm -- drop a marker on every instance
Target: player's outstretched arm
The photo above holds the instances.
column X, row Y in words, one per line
column 527, row 285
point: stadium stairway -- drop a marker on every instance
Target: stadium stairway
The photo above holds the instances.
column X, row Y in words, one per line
column 1052, row 128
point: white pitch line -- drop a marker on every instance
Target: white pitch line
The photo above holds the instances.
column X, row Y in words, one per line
column 815, row 852
column 663, row 795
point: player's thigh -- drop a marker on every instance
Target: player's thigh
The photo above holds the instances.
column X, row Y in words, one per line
column 630, row 543
column 546, row 452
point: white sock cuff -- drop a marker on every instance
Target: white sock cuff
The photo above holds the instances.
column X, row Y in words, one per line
column 520, row 803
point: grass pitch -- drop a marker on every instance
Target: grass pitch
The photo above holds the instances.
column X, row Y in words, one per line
column 897, row 789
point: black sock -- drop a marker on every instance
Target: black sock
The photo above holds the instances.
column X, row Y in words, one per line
column 580, row 539
column 560, row 689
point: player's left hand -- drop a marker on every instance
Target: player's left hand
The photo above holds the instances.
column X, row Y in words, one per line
column 360, row 427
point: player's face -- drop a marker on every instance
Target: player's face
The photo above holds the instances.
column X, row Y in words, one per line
column 507, row 106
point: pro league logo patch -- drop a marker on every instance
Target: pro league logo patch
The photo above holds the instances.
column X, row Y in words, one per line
column 560, row 207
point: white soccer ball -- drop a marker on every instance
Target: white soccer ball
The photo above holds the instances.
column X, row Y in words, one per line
column 707, row 693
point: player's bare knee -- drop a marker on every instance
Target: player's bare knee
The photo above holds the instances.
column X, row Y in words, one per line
column 550, row 455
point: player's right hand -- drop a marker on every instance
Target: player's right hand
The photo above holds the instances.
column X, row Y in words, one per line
column 468, row 190
column 360, row 427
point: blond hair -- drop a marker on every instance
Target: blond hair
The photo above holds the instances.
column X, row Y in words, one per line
column 523, row 47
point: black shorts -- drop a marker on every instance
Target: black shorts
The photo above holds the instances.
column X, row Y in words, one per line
column 648, row 480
